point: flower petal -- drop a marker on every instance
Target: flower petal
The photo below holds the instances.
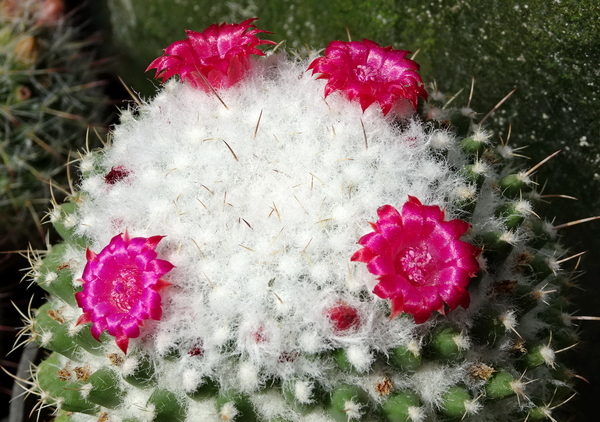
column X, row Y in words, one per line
column 219, row 55
column 419, row 259
column 375, row 241
column 123, row 342
column 455, row 295
column 368, row 73
column 397, row 307
column 381, row 265
column 390, row 287
column 120, row 286
column 363, row 255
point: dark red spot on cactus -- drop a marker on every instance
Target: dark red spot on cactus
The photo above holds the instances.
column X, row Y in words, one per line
column 197, row 349
column 259, row 336
column 116, row 174
column 343, row 317
column 288, row 357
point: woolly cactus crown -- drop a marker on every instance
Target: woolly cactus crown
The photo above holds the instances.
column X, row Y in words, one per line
column 261, row 218
column 253, row 201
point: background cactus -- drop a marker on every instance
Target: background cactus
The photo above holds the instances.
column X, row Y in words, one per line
column 50, row 94
column 261, row 193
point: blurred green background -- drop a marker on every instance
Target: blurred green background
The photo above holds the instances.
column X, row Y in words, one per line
column 548, row 49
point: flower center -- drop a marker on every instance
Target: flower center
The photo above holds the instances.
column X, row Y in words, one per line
column 414, row 263
column 127, row 288
column 365, row 73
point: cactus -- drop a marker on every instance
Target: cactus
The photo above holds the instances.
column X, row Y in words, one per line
column 218, row 262
column 50, row 94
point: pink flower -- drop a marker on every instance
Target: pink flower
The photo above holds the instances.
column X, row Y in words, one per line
column 220, row 55
column 368, row 73
column 420, row 261
column 120, row 287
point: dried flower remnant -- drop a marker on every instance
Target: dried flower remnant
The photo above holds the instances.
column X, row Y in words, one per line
column 120, row 287
column 116, row 174
column 368, row 73
column 220, row 55
column 197, row 349
column 419, row 260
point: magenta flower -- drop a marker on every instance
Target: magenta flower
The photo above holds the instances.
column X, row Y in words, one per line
column 420, row 261
column 368, row 73
column 220, row 55
column 120, row 287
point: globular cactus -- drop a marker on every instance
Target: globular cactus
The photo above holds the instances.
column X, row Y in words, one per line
column 218, row 262
column 50, row 94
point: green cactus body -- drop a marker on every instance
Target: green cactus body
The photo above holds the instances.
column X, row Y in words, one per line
column 258, row 207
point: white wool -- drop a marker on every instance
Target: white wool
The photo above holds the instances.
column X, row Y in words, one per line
column 87, row 162
column 414, row 347
column 270, row 404
column 441, row 140
column 54, row 215
column 432, row 380
column 70, row 220
column 416, row 414
column 316, row 416
column 310, row 342
column 129, row 365
column 190, row 380
column 509, row 320
column 352, row 410
column 46, row 337
column 437, row 95
column 465, row 193
column 50, row 277
column 553, row 264
column 303, row 391
column 473, row 407
column 509, row 237
column 228, row 412
column 85, row 390
column 360, row 357
column 549, row 229
column 248, row 377
column 549, row 355
column 468, row 112
column 462, row 342
column 480, row 167
column 435, row 113
column 481, row 135
column 205, row 410
column 524, row 207
column 137, row 405
column 82, row 417
column 505, row 150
